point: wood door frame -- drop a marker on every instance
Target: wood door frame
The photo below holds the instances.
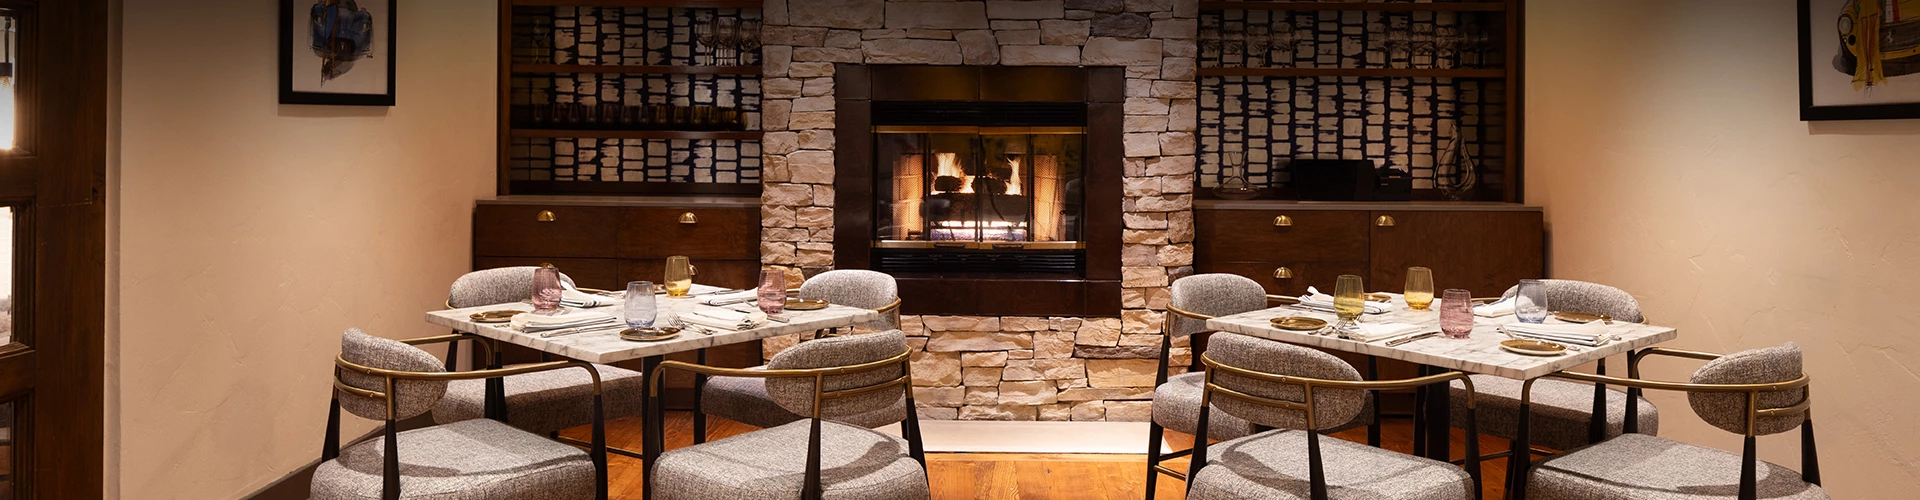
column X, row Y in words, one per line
column 58, row 377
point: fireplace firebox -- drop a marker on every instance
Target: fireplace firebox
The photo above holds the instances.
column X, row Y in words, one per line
column 982, row 190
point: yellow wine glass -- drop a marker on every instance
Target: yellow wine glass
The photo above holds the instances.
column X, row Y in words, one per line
column 1419, row 292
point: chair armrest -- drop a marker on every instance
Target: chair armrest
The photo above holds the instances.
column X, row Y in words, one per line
column 653, row 382
column 1188, row 314
column 469, row 375
column 485, row 346
column 1282, row 299
column 1633, row 360
column 890, row 307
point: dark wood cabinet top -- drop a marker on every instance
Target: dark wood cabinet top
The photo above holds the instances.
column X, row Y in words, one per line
column 627, row 201
column 1408, row 206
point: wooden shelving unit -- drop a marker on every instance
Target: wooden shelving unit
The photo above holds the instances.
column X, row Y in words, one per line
column 753, row 135
column 637, row 70
column 690, row 4
column 1510, row 73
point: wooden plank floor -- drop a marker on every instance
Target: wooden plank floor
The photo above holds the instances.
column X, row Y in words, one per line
column 997, row 476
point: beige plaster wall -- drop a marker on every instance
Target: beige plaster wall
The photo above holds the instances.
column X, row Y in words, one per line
column 1664, row 141
column 250, row 234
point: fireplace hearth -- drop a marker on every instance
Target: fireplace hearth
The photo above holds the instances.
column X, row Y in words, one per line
column 982, row 189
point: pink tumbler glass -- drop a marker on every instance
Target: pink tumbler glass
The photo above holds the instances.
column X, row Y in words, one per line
column 1456, row 313
column 546, row 290
column 773, row 291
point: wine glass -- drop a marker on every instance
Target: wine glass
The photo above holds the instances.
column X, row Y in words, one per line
column 1259, row 44
column 679, row 276
column 750, row 38
column 1419, row 291
column 1530, row 302
column 726, row 34
column 1286, row 38
column 1349, row 300
column 1456, row 313
column 703, row 36
column 1397, row 42
column 640, row 305
column 1233, row 41
column 546, row 290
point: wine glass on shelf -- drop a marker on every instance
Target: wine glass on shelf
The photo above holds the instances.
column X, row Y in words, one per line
column 1398, row 43
column 1285, row 39
column 1421, row 41
column 1446, row 45
column 1233, row 41
column 1259, row 45
column 1209, row 36
column 727, row 35
column 703, row 37
column 750, row 39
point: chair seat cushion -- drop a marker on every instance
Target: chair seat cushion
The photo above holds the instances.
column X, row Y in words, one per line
column 473, row 459
column 855, row 463
column 1561, row 410
column 745, row 400
column 1642, row 467
column 1176, row 406
column 1274, row 465
column 547, row 401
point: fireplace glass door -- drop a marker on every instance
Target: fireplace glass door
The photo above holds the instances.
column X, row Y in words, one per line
column 979, row 187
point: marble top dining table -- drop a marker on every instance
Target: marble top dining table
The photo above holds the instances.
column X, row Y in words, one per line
column 606, row 346
column 1480, row 352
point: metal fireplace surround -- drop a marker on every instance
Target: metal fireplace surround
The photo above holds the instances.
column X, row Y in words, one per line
column 983, row 190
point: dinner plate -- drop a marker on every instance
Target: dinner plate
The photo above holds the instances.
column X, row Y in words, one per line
column 1533, row 347
column 649, row 334
column 497, row 316
column 1576, row 317
column 806, row 304
column 1299, row 323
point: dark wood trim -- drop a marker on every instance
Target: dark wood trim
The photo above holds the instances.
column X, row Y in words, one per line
column 634, row 188
column 1351, row 5
column 692, row 4
column 1104, row 172
column 636, row 70
column 720, row 135
column 853, row 182
column 1515, row 189
column 502, row 114
column 289, row 96
column 1364, row 72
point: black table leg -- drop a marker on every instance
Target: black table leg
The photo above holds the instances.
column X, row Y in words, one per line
column 495, row 400
column 654, row 431
column 1420, row 414
column 1438, row 420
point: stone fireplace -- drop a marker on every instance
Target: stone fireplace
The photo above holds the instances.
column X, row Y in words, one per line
column 999, row 364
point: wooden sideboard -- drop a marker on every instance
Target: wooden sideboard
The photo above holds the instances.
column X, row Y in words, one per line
column 1287, row 246
column 605, row 242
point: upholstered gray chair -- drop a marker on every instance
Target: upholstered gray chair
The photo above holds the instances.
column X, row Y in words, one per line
column 1752, row 393
column 1302, row 392
column 745, row 399
column 388, row 380
column 826, row 379
column 1563, row 410
column 1176, row 399
column 540, row 402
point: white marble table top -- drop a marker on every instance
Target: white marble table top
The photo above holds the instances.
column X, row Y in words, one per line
column 606, row 346
column 1478, row 353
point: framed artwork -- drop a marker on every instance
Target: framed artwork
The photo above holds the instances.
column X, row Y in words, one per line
column 1859, row 59
column 337, row 52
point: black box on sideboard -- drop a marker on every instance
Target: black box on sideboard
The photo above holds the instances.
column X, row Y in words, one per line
column 1348, row 180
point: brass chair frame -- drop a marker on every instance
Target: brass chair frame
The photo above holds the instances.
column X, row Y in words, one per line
column 1519, row 473
column 390, row 472
column 812, row 490
column 1317, row 480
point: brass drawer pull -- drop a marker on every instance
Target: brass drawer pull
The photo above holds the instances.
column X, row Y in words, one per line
column 1384, row 221
column 1281, row 273
column 689, row 218
column 1282, row 221
column 544, row 216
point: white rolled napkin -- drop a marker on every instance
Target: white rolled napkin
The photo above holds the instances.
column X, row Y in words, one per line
column 725, row 319
column 1323, row 302
column 1369, row 332
column 727, row 299
column 1497, row 309
column 574, row 298
column 530, row 322
column 1589, row 334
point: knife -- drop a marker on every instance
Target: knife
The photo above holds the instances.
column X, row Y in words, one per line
column 1403, row 340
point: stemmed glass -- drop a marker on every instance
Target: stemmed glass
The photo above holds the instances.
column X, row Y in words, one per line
column 640, row 305
column 1419, row 291
column 1530, row 302
column 727, row 34
column 1286, row 38
column 1349, row 300
column 1259, row 44
column 750, row 39
column 1423, row 44
column 1233, row 41
column 1210, row 36
column 1397, row 42
column 1446, row 45
column 703, row 35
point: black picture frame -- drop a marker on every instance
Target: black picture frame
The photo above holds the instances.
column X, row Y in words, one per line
column 1810, row 111
column 288, row 95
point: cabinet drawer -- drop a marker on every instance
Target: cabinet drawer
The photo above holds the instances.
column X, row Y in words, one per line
column 1253, row 236
column 1317, row 274
column 544, row 231
column 1482, row 252
column 711, row 233
column 721, row 273
column 591, row 273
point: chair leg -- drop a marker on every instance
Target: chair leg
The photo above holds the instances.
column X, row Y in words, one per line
column 1749, row 477
column 699, row 389
column 599, row 447
column 1809, row 459
column 390, row 469
column 652, row 429
column 453, row 356
column 1597, row 420
column 1518, row 461
column 330, row 446
column 1154, row 434
column 1473, row 450
column 1420, row 416
column 1373, row 428
column 910, row 428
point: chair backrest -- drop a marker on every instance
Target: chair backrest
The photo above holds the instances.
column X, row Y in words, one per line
column 411, row 397
column 1591, row 298
column 1332, row 407
column 499, row 285
column 1212, row 295
column 1758, row 366
column 856, row 288
column 796, row 394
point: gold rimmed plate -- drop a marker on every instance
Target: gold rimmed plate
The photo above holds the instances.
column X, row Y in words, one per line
column 1578, row 317
column 806, row 304
column 498, row 316
column 649, row 334
column 1533, row 347
column 1299, row 323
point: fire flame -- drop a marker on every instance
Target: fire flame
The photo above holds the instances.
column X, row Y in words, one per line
column 1013, row 180
column 949, row 167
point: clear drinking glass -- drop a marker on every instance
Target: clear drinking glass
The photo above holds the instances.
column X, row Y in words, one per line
column 679, row 278
column 1456, row 313
column 641, row 308
column 1419, row 291
column 546, row 290
column 1530, row 303
column 773, row 291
